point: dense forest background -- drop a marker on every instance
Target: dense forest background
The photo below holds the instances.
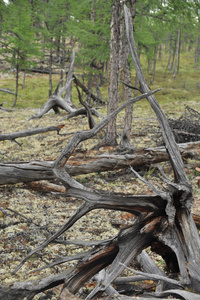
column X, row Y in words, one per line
column 41, row 35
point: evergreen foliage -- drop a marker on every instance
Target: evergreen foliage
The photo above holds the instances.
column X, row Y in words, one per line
column 33, row 29
column 18, row 41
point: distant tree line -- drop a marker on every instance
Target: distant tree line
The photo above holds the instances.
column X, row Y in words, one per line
column 38, row 34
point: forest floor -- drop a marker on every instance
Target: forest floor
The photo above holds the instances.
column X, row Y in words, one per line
column 32, row 215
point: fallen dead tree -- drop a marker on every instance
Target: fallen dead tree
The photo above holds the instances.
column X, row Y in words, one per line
column 15, row 135
column 7, row 91
column 163, row 220
column 57, row 100
column 11, row 173
column 5, row 109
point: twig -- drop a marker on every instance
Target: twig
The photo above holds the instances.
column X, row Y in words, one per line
column 154, row 276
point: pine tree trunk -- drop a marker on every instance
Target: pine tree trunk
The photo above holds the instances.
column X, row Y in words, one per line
column 197, row 52
column 154, row 64
column 177, row 54
column 16, row 83
column 50, row 69
column 126, row 76
column 113, row 91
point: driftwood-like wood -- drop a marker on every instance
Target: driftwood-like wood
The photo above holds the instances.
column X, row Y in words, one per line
column 11, row 173
column 53, row 102
column 7, row 91
column 14, row 135
column 170, row 223
column 46, row 186
column 57, row 101
column 5, row 109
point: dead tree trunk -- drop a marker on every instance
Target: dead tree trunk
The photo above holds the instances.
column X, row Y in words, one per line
column 15, row 135
column 11, row 173
column 56, row 100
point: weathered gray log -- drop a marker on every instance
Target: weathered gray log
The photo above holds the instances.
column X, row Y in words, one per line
column 122, row 297
column 5, row 109
column 21, row 290
column 7, row 91
column 11, row 173
column 14, row 135
column 56, row 100
column 149, row 276
column 177, row 293
column 53, row 101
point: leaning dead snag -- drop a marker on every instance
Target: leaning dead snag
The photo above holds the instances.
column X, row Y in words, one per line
column 91, row 120
column 86, row 91
column 181, row 234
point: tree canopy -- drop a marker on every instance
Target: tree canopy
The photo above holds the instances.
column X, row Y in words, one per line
column 86, row 24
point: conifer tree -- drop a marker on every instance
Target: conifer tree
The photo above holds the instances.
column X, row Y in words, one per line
column 18, row 43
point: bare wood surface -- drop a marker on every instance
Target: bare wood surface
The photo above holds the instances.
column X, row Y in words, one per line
column 177, row 293
column 39, row 170
column 20, row 290
column 91, row 120
column 7, row 91
column 122, row 297
column 15, row 135
column 46, row 186
column 56, row 100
